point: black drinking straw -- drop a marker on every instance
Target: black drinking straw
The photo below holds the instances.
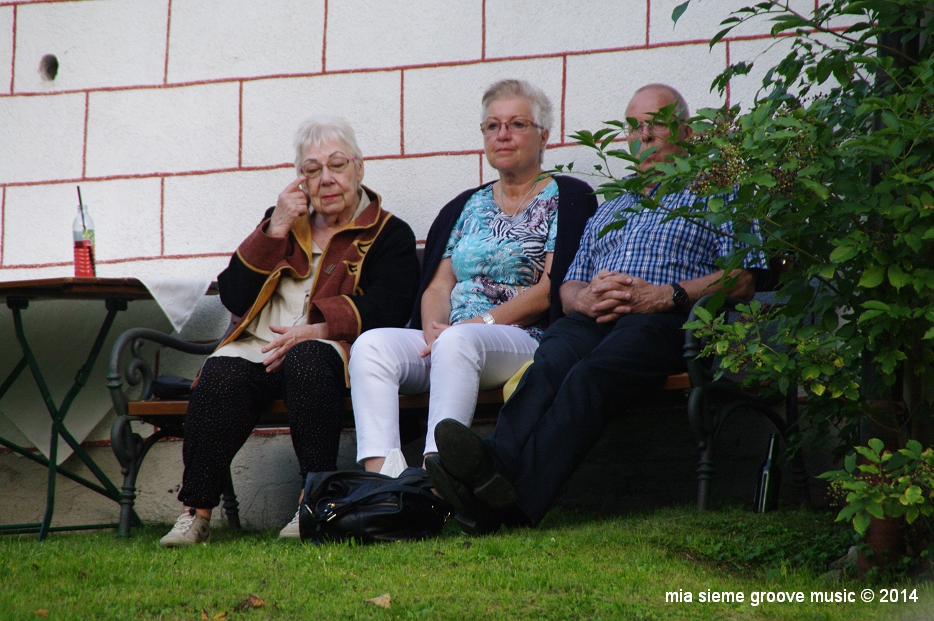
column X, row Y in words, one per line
column 84, row 226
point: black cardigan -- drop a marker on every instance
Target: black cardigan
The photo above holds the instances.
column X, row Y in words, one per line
column 576, row 203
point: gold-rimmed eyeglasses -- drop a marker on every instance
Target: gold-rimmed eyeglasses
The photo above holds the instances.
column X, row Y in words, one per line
column 491, row 127
column 337, row 164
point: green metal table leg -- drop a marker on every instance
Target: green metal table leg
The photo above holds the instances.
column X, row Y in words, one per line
column 58, row 413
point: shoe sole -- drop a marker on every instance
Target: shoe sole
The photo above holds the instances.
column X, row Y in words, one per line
column 469, row 512
column 468, row 459
column 184, row 543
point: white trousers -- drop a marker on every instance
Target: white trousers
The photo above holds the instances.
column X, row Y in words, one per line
column 464, row 359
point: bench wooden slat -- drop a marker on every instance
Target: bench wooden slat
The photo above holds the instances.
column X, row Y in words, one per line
column 681, row 381
column 166, row 407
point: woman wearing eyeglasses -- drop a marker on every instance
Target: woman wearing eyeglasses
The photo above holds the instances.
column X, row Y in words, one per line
column 494, row 259
column 326, row 264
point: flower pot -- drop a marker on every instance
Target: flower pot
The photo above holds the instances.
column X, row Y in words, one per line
column 885, row 540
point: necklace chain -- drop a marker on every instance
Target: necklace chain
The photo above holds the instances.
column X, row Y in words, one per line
column 502, row 198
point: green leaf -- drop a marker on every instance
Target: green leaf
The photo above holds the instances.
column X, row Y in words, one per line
column 763, row 179
column 843, row 253
column 861, row 522
column 720, row 35
column 876, row 445
column 898, row 277
column 872, row 276
column 928, row 335
column 876, row 305
column 912, row 514
column 849, row 463
column 875, row 510
column 827, row 271
column 913, row 241
column 911, row 496
column 679, row 11
column 822, row 192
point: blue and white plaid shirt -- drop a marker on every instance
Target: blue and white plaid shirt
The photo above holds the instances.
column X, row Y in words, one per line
column 647, row 247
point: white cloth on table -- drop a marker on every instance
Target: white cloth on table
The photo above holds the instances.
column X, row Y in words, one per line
column 60, row 334
column 464, row 359
column 177, row 297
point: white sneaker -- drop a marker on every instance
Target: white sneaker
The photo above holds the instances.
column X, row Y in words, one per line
column 290, row 530
column 189, row 529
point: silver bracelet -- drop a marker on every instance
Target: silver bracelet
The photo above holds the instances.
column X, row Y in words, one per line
column 487, row 319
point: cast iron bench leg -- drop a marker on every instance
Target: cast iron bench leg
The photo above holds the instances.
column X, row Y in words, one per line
column 230, row 504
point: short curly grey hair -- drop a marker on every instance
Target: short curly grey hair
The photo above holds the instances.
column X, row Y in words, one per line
column 320, row 129
column 541, row 105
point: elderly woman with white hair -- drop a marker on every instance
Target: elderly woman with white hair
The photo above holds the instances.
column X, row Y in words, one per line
column 494, row 259
column 326, row 264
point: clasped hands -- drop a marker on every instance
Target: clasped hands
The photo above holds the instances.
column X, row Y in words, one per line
column 610, row 295
column 289, row 337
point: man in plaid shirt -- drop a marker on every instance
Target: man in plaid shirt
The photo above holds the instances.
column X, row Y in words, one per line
column 626, row 296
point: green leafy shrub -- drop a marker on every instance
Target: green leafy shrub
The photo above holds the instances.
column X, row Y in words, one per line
column 888, row 485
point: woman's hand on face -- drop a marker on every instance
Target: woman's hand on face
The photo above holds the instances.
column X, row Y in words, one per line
column 431, row 334
column 291, row 205
column 289, row 338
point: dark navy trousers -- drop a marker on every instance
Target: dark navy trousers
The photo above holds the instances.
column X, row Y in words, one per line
column 583, row 373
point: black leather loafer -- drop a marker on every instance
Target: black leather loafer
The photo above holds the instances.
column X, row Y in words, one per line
column 467, row 458
column 474, row 517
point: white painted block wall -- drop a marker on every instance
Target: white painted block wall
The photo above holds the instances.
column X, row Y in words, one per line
column 176, row 116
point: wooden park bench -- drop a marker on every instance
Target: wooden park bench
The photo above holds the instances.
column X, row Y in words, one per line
column 709, row 403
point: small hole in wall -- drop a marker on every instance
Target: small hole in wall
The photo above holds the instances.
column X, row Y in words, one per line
column 48, row 67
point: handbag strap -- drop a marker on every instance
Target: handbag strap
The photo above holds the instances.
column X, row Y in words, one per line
column 361, row 494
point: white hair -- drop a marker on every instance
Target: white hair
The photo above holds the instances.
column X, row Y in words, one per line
column 320, row 129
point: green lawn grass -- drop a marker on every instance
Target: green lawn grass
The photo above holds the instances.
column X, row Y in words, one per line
column 574, row 566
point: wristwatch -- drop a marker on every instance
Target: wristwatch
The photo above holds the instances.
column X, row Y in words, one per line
column 680, row 296
column 487, row 319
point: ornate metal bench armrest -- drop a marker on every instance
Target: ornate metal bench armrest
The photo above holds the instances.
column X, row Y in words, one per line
column 138, row 370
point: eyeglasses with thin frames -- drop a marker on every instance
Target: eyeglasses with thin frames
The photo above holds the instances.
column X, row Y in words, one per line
column 491, row 127
column 648, row 128
column 337, row 164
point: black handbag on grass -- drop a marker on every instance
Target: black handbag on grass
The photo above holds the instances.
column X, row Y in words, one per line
column 370, row 507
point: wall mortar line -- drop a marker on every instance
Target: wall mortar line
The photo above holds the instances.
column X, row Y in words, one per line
column 84, row 151
column 240, row 128
column 2, row 220
column 648, row 21
column 142, row 259
column 460, row 63
column 564, row 93
column 162, row 217
column 168, row 32
column 483, row 29
column 402, row 112
column 729, row 92
column 13, row 55
column 324, row 40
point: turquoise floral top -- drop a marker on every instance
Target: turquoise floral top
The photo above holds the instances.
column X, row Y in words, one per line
column 493, row 254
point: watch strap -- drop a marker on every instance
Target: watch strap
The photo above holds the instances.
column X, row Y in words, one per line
column 679, row 296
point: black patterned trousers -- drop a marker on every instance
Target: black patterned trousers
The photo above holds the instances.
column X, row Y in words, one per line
column 229, row 398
